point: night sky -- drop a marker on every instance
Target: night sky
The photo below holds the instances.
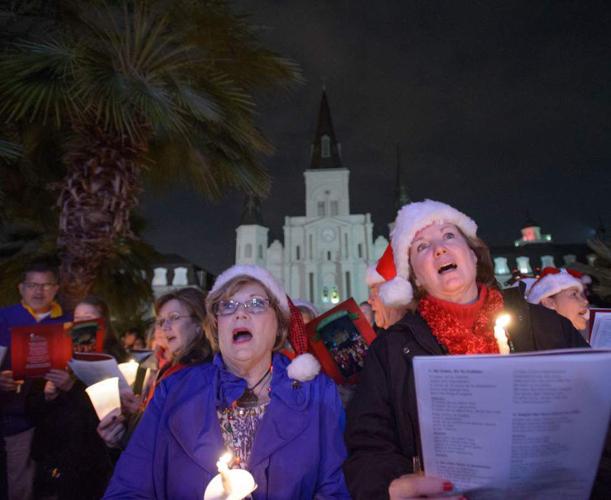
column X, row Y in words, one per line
column 499, row 107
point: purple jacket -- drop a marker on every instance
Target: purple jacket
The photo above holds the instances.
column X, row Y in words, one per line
column 297, row 453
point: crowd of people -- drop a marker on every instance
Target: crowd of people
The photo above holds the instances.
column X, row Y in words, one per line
column 231, row 370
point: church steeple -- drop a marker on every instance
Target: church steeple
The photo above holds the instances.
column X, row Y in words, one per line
column 251, row 211
column 326, row 151
column 401, row 196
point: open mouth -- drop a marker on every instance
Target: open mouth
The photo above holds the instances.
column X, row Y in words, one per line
column 446, row 268
column 170, row 338
column 241, row 335
column 585, row 314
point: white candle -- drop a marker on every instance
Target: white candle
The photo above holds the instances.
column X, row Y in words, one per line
column 223, row 467
column 105, row 396
column 129, row 371
column 229, row 484
column 500, row 334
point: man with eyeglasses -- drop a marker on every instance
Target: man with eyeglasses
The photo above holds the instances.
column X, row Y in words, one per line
column 38, row 288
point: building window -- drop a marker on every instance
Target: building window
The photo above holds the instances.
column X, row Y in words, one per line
column 334, row 208
column 348, row 287
column 310, row 247
column 346, row 246
column 260, row 251
column 321, row 208
column 360, row 250
column 334, row 295
column 325, row 146
column 298, row 252
column 325, row 294
column 248, row 251
column 311, row 294
column 328, row 254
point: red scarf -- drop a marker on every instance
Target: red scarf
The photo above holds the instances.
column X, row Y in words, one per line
column 456, row 337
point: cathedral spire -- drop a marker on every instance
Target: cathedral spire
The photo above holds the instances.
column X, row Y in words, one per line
column 401, row 196
column 326, row 151
column 251, row 212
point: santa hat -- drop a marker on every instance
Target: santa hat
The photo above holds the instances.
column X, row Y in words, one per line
column 411, row 218
column 305, row 366
column 552, row 281
column 259, row 274
column 383, row 270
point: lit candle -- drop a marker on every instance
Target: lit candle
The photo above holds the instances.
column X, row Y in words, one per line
column 129, row 371
column 105, row 396
column 223, row 467
column 500, row 334
column 229, row 484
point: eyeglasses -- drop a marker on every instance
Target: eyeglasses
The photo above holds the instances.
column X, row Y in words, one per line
column 39, row 286
column 161, row 322
column 256, row 305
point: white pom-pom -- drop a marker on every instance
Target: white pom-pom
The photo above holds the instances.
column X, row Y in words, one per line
column 396, row 292
column 303, row 368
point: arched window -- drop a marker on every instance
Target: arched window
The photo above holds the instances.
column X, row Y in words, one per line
column 260, row 251
column 334, row 295
column 248, row 251
column 325, row 146
column 325, row 294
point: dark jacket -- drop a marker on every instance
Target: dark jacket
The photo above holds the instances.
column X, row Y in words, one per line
column 382, row 433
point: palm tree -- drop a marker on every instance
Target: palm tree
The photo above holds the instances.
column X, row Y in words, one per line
column 160, row 88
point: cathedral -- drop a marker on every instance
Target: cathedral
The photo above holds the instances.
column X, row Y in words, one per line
column 326, row 252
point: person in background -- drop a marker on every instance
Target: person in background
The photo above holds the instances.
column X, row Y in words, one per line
column 562, row 290
column 384, row 316
column 129, row 338
column 179, row 324
column 307, row 309
column 281, row 419
column 444, row 271
column 72, row 461
column 367, row 311
column 38, row 288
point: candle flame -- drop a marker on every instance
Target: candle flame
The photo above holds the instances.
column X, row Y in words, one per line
column 503, row 320
column 226, row 457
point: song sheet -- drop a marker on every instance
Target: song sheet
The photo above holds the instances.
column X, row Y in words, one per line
column 517, row 426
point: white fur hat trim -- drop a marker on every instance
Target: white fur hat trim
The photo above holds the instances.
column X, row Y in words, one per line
column 411, row 218
column 373, row 276
column 551, row 285
column 303, row 368
column 259, row 274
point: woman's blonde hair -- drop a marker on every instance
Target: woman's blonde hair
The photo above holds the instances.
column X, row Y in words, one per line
column 224, row 293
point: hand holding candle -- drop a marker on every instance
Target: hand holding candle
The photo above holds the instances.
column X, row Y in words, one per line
column 500, row 334
column 229, row 484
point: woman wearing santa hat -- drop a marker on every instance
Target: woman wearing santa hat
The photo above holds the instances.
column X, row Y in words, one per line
column 282, row 420
column 444, row 272
column 563, row 291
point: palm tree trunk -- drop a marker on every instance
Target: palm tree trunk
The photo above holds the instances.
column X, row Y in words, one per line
column 100, row 190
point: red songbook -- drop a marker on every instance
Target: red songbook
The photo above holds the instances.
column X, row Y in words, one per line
column 37, row 349
column 87, row 335
column 339, row 339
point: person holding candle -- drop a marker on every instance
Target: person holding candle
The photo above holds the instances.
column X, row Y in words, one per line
column 444, row 273
column 179, row 321
column 72, row 461
column 282, row 420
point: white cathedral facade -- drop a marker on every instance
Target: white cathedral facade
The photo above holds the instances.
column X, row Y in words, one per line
column 326, row 252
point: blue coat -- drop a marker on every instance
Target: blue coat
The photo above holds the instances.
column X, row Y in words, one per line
column 297, row 453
